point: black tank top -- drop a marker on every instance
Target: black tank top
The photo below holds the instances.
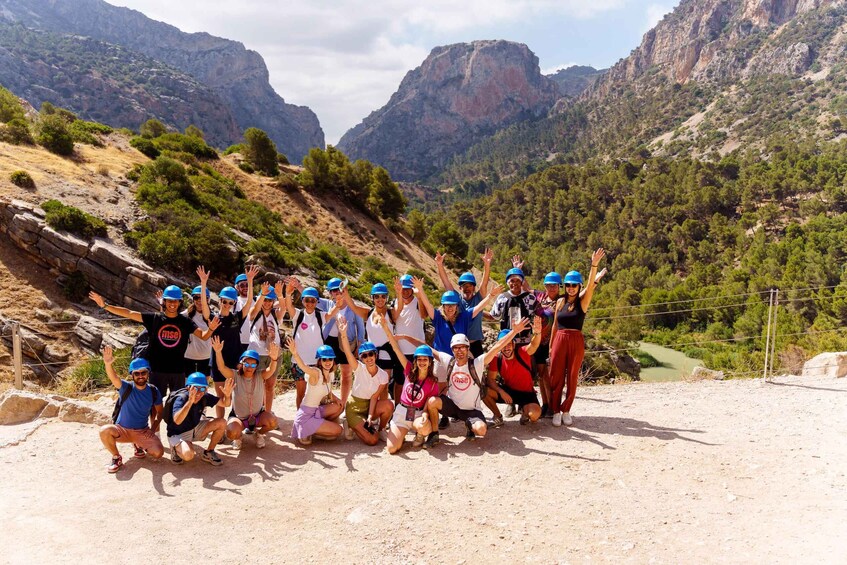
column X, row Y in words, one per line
column 572, row 320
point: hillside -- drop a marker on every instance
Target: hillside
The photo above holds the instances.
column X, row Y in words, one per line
column 238, row 76
column 575, row 80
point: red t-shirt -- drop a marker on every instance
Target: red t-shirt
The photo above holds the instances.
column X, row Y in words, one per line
column 514, row 375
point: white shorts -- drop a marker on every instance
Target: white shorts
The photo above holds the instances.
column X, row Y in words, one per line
column 199, row 433
column 399, row 418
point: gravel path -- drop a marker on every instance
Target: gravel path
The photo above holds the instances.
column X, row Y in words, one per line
column 736, row 471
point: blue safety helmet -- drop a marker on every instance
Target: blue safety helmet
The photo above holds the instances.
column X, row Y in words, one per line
column 502, row 334
column 196, row 290
column 229, row 293
column 553, row 278
column 573, row 277
column 250, row 354
column 310, row 292
column 333, row 284
column 241, row 278
column 467, row 278
column 197, row 379
column 514, row 272
column 270, row 296
column 139, row 364
column 172, row 292
column 406, row 281
column 379, row 288
column 423, row 351
column 325, row 352
column 367, row 346
column 450, row 297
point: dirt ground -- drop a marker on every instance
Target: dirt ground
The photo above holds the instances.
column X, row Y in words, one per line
column 738, row 472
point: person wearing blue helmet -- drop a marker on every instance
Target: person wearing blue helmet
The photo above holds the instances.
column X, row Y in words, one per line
column 567, row 346
column 137, row 402
column 367, row 412
column 244, row 287
column 248, row 394
column 229, row 332
column 355, row 331
column 470, row 296
column 452, row 318
column 308, row 324
column 410, row 322
column 187, row 422
column 169, row 332
column 317, row 414
column 516, row 303
column 546, row 300
column 199, row 351
column 262, row 327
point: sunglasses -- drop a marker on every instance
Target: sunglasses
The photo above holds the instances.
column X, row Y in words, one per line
column 225, row 302
column 367, row 354
column 376, row 296
column 200, row 388
column 242, row 285
column 142, row 373
column 249, row 365
column 310, row 301
column 571, row 285
column 195, row 298
column 335, row 291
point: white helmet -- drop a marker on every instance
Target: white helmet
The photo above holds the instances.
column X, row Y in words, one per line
column 459, row 339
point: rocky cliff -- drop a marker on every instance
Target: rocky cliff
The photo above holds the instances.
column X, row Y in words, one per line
column 460, row 94
column 239, row 76
column 574, row 80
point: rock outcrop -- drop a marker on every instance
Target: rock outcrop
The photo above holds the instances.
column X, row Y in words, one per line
column 237, row 75
column 460, row 94
column 573, row 81
column 17, row 407
column 832, row 365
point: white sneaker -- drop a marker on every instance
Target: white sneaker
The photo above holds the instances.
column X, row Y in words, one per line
column 236, row 444
column 260, row 440
column 557, row 419
column 566, row 419
column 305, row 440
column 348, row 431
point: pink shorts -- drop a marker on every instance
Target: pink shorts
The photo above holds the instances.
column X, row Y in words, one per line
column 144, row 438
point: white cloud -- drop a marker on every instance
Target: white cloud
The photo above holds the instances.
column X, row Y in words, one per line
column 344, row 59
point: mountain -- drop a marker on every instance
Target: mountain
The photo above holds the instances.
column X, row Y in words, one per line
column 575, row 79
column 711, row 77
column 237, row 75
column 460, row 94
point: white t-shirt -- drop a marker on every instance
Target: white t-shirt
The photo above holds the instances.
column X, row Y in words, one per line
column 197, row 349
column 365, row 385
column 239, row 306
column 461, row 387
column 308, row 337
column 314, row 394
column 261, row 332
column 410, row 323
column 376, row 334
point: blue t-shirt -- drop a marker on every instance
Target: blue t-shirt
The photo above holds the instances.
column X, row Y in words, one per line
column 444, row 333
column 195, row 413
column 136, row 409
column 475, row 326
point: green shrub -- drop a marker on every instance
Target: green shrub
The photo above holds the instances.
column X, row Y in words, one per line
column 81, row 135
column 91, row 375
column 16, row 132
column 10, row 106
column 167, row 248
column 22, row 179
column 93, row 127
column 260, row 151
column 282, row 159
column 194, row 131
column 646, row 359
column 74, row 220
column 237, row 148
column 76, row 286
column 246, row 167
column 152, row 129
column 54, row 135
column 145, row 146
column 178, row 142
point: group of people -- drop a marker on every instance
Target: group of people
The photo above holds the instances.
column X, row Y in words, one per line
column 393, row 380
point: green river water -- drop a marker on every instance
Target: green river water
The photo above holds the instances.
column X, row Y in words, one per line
column 675, row 365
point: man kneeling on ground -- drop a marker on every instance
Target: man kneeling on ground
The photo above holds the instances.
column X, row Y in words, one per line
column 137, row 401
column 513, row 365
column 187, row 421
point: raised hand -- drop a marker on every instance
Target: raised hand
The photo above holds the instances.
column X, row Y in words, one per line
column 597, row 256
column 495, row 290
column 290, row 285
column 108, row 355
column 203, row 275
column 98, row 300
column 251, row 272
column 521, row 325
column 289, row 343
column 273, row 351
column 214, row 323
column 419, row 284
column 378, row 319
column 278, row 289
column 228, row 386
column 536, row 326
column 398, row 287
column 217, row 344
column 517, row 263
column 159, row 295
column 488, row 256
column 194, row 395
column 342, row 325
column 439, row 258
column 266, row 288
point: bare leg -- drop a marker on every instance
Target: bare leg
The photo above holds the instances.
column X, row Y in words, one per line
column 185, row 450
column 329, row 430
column 364, row 435
column 301, row 392
column 384, row 410
column 544, row 383
column 270, row 386
column 234, row 428
column 217, row 427
column 219, row 392
column 266, row 422
column 490, row 401
column 109, row 435
column 333, row 411
column 396, row 434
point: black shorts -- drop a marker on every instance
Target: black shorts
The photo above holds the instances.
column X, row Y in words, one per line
column 541, row 354
column 196, row 366
column 476, row 349
column 335, row 344
column 166, row 381
column 449, row 409
column 519, row 397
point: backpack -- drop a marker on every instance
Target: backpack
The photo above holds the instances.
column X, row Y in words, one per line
column 168, row 412
column 483, row 386
column 141, row 345
column 299, row 321
column 520, row 361
column 505, row 321
column 117, row 410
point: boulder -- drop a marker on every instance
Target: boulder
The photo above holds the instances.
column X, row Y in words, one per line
column 101, row 280
column 55, row 354
column 67, row 242
column 17, row 406
column 831, row 365
column 89, row 331
column 50, row 411
column 118, row 340
column 154, row 279
column 702, row 373
column 111, row 257
column 54, row 256
column 27, row 222
column 73, row 411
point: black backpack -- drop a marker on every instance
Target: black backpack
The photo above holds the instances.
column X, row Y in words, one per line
column 117, row 410
column 168, row 412
column 141, row 345
column 532, row 369
column 483, row 386
column 299, row 321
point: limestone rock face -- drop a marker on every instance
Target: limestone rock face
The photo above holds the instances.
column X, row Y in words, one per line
column 574, row 80
column 833, row 365
column 238, row 76
column 460, row 94
column 17, row 406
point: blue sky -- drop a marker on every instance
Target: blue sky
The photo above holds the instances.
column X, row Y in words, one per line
column 344, row 59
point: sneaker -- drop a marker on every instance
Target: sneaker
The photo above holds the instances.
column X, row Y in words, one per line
column 236, row 444
column 497, row 421
column 225, row 441
column 260, row 440
column 510, row 411
column 348, row 431
column 418, row 441
column 470, row 436
column 139, row 452
column 566, row 419
column 117, row 463
column 305, row 440
column 431, row 440
column 443, row 423
column 524, row 419
column 175, row 458
column 557, row 419
column 249, row 431
column 211, row 457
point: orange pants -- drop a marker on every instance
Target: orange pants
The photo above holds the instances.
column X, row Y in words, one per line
column 567, row 349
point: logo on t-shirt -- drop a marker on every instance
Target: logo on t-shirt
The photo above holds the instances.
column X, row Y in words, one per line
column 414, row 393
column 304, row 326
column 170, row 335
column 462, row 381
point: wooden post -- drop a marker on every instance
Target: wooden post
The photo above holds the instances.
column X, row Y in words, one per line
column 17, row 356
column 768, row 338
column 773, row 339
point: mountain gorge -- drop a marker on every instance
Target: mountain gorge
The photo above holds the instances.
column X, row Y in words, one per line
column 237, row 76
